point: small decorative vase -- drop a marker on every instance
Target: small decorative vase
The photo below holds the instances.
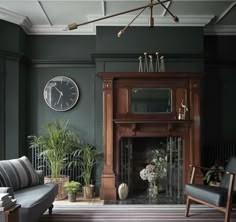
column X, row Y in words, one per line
column 123, row 191
column 153, row 190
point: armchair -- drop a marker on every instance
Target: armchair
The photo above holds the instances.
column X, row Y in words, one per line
column 221, row 198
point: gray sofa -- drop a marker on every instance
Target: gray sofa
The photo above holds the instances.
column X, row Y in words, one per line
column 20, row 180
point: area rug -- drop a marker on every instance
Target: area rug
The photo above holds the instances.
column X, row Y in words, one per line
column 139, row 213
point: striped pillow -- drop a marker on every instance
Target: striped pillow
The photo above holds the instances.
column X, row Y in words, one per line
column 17, row 173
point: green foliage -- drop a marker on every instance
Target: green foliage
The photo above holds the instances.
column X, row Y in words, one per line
column 160, row 161
column 72, row 186
column 215, row 174
column 87, row 155
column 55, row 144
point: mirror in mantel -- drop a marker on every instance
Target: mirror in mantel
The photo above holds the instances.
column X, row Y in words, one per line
column 151, row 100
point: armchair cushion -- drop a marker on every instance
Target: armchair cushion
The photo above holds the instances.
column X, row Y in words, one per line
column 17, row 173
column 221, row 198
column 210, row 194
column 231, row 167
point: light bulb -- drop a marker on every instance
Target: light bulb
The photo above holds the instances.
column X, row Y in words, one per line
column 120, row 33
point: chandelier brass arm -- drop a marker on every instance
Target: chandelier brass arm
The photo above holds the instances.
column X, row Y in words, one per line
column 150, row 5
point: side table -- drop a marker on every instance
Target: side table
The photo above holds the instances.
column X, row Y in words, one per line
column 11, row 214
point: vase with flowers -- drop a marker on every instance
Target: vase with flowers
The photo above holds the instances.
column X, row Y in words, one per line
column 154, row 171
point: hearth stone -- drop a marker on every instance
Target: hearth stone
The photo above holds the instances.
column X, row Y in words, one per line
column 162, row 198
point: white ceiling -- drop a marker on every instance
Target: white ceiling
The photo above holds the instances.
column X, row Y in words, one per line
column 48, row 17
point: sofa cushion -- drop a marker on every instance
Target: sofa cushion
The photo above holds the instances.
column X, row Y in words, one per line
column 35, row 201
column 35, row 195
column 17, row 173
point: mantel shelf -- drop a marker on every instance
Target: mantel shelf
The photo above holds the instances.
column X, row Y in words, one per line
column 120, row 121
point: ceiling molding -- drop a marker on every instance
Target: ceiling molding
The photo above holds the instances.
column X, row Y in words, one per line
column 227, row 11
column 189, row 20
column 15, row 18
column 122, row 21
column 220, row 30
column 165, row 10
column 61, row 30
column 159, row 20
column 44, row 12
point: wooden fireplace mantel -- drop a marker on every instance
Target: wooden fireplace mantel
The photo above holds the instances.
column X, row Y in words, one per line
column 119, row 121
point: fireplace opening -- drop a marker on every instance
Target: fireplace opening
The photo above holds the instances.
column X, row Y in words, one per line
column 137, row 152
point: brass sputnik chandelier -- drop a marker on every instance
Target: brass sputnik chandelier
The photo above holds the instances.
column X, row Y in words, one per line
column 142, row 8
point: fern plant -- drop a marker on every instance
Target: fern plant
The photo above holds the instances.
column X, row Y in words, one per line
column 72, row 187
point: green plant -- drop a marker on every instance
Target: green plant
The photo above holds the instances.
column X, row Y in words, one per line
column 72, row 187
column 56, row 143
column 214, row 174
column 87, row 155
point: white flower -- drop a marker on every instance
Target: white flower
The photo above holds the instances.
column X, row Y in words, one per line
column 158, row 168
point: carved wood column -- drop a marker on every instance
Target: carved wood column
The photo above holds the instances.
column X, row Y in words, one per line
column 195, row 157
column 108, row 189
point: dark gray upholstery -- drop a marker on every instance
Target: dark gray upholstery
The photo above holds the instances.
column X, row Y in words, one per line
column 231, row 167
column 222, row 198
column 214, row 195
column 17, row 173
column 210, row 194
column 34, row 199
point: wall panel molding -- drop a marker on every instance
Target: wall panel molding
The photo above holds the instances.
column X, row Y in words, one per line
column 62, row 63
column 2, row 107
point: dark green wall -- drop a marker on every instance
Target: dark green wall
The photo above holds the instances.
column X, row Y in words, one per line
column 62, row 49
column 2, row 107
column 12, row 38
column 220, row 108
column 12, row 71
column 55, row 56
column 81, row 117
column 180, row 40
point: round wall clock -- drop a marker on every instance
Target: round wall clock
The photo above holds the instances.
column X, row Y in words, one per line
column 61, row 93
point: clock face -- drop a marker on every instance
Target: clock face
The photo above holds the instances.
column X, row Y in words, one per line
column 61, row 93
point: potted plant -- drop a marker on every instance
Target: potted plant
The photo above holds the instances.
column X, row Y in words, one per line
column 55, row 145
column 87, row 155
column 72, row 187
column 214, row 175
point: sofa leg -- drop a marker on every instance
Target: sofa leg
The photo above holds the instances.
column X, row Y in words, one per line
column 50, row 209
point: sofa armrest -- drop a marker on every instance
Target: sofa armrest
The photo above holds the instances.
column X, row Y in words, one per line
column 7, row 190
column 40, row 175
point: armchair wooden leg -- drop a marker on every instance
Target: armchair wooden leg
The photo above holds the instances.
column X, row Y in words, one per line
column 227, row 215
column 50, row 209
column 187, row 207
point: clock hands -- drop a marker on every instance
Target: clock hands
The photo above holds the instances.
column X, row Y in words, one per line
column 59, row 98
column 61, row 94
